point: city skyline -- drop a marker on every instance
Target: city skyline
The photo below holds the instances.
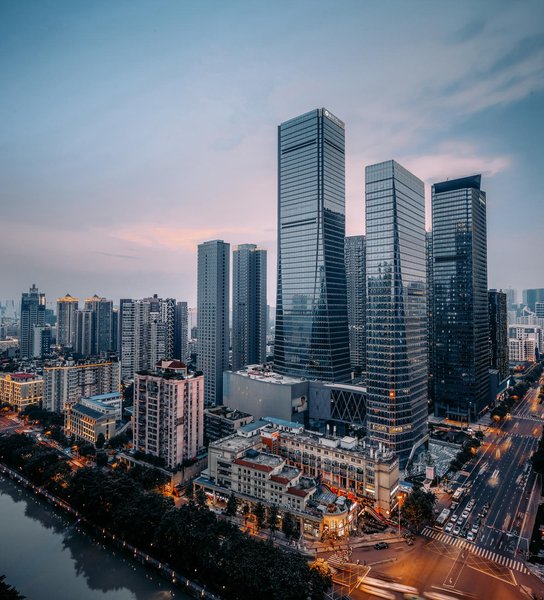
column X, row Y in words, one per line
column 167, row 109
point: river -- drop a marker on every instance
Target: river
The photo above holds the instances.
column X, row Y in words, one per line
column 47, row 558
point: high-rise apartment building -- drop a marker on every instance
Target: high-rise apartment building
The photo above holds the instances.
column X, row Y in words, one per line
column 181, row 333
column 461, row 313
column 83, row 338
column 169, row 413
column 498, row 332
column 213, row 316
column 356, row 293
column 532, row 296
column 66, row 320
column 63, row 384
column 32, row 314
column 311, row 336
column 102, row 324
column 248, row 306
column 396, row 315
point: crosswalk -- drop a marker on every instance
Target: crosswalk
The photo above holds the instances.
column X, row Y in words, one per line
column 509, row 563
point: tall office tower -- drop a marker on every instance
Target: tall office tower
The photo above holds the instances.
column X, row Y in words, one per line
column 102, row 326
column 461, row 314
column 68, row 384
column 213, row 316
column 396, row 314
column 532, row 296
column 66, row 320
column 41, row 341
column 32, row 313
column 168, row 317
column 248, row 306
column 169, row 413
column 511, row 298
column 311, row 337
column 430, row 312
column 115, row 330
column 83, row 338
column 181, row 333
column 356, row 291
column 498, row 332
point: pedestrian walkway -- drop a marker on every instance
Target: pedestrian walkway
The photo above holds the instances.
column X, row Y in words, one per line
column 444, row 538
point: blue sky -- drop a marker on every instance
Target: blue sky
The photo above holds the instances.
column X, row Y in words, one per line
column 132, row 131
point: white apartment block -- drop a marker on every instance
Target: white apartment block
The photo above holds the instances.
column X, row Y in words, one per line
column 169, row 413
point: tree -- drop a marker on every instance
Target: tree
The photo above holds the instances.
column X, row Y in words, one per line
column 86, row 449
column 417, row 510
column 272, row 520
column 232, row 505
column 200, row 498
column 8, row 592
column 100, row 441
column 288, row 525
column 101, row 459
column 259, row 515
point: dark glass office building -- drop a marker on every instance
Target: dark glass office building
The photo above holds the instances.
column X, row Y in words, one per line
column 396, row 315
column 461, row 317
column 356, row 288
column 311, row 309
column 498, row 332
column 430, row 315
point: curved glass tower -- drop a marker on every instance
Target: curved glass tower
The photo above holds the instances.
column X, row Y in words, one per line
column 311, row 308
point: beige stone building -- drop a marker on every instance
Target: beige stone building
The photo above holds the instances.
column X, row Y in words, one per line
column 21, row 389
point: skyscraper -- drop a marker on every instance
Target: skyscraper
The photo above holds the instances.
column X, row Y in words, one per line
column 102, row 324
column 181, row 334
column 396, row 315
column 32, row 314
column 248, row 306
column 430, row 312
column 213, row 316
column 66, row 320
column 498, row 332
column 356, row 293
column 461, row 314
column 311, row 309
column 532, row 296
column 83, row 337
column 511, row 298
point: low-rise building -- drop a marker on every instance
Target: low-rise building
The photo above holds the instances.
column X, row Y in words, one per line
column 85, row 422
column 221, row 421
column 21, row 389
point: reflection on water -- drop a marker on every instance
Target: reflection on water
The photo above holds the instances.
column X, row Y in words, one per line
column 47, row 558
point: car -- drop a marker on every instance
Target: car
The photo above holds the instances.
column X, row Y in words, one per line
column 475, row 528
column 465, row 513
column 470, row 536
column 460, row 522
column 449, row 527
column 381, row 545
column 464, row 532
column 456, row 530
column 454, row 518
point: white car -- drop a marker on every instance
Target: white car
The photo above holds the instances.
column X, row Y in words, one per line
column 470, row 536
column 449, row 527
column 465, row 513
column 454, row 518
column 456, row 530
column 475, row 528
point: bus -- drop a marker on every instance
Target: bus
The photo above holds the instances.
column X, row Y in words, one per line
column 459, row 492
column 443, row 517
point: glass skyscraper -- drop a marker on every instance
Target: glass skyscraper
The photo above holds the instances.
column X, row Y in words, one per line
column 396, row 315
column 461, row 318
column 356, row 292
column 311, row 309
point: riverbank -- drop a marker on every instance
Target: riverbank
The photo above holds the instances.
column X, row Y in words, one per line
column 185, row 585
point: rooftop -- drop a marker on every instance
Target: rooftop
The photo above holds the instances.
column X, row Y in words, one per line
column 89, row 412
column 261, row 461
column 265, row 373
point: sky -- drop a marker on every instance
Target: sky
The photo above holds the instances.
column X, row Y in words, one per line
column 132, row 131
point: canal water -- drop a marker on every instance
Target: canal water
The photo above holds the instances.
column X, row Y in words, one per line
column 46, row 558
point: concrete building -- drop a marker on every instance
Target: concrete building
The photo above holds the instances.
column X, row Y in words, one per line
column 102, row 325
column 248, row 306
column 169, row 413
column 311, row 334
column 525, row 342
column 69, row 383
column 498, row 333
column 83, row 338
column 461, row 308
column 213, row 317
column 222, row 421
column 356, row 293
column 66, row 320
column 396, row 315
column 87, row 419
column 532, row 296
column 181, row 332
column 41, row 341
column 32, row 314
column 21, row 389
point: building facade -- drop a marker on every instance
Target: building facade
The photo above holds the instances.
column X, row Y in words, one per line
column 461, row 313
column 213, row 317
column 21, row 390
column 32, row 314
column 169, row 413
column 498, row 332
column 356, row 293
column 396, row 315
column 66, row 320
column 181, row 333
column 532, row 296
column 248, row 306
column 102, row 324
column 83, row 338
column 87, row 419
column 67, row 384
column 430, row 312
column 222, row 421
column 311, row 335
